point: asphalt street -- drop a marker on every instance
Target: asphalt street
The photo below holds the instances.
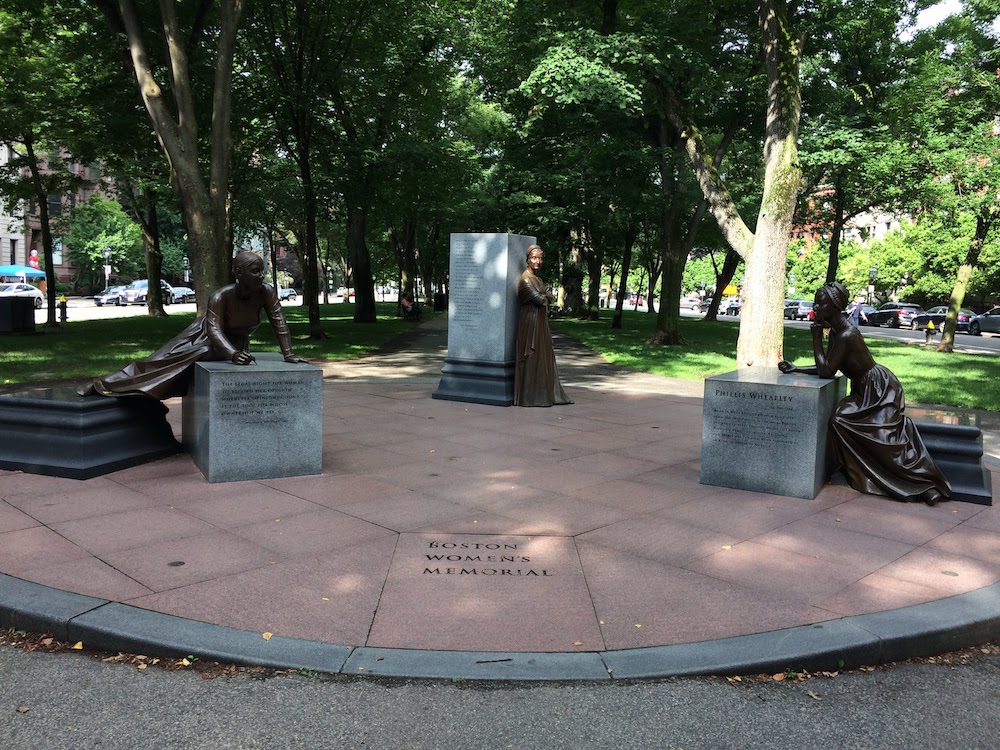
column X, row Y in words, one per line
column 74, row 701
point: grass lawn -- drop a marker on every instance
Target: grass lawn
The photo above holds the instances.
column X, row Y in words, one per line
column 87, row 348
column 965, row 380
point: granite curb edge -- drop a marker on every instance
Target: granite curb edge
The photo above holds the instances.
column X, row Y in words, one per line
column 920, row 630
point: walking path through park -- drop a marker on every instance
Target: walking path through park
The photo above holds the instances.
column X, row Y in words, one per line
column 450, row 539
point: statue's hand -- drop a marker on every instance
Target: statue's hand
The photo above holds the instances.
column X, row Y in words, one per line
column 785, row 366
column 243, row 358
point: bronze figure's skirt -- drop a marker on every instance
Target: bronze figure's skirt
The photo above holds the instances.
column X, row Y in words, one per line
column 880, row 450
column 164, row 373
column 536, row 382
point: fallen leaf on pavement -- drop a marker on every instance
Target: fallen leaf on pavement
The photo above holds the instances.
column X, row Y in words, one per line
column 23, row 709
column 266, row 636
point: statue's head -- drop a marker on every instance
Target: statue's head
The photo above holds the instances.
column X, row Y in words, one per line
column 534, row 256
column 830, row 300
column 244, row 259
column 248, row 268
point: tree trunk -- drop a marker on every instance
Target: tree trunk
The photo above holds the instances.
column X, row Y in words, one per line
column 595, row 262
column 154, row 258
column 672, row 267
column 361, row 264
column 838, row 230
column 983, row 224
column 42, row 199
column 630, row 235
column 310, row 259
column 729, row 265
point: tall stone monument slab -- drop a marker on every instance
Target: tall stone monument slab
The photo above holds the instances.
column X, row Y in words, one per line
column 482, row 318
column 257, row 421
column 765, row 431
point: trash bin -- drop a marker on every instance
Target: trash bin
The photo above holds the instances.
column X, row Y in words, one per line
column 17, row 315
column 440, row 302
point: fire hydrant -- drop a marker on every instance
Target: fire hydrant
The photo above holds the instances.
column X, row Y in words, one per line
column 929, row 333
column 62, row 308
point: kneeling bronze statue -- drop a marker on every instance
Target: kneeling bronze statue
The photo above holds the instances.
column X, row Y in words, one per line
column 223, row 334
column 880, row 450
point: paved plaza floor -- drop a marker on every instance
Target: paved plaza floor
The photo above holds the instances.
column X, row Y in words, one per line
column 442, row 530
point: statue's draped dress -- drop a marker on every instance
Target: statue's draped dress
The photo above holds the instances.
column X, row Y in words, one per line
column 536, row 382
column 233, row 315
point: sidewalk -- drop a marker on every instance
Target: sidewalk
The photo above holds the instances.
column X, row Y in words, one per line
column 447, row 539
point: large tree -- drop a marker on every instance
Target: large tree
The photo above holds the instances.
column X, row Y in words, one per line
column 167, row 84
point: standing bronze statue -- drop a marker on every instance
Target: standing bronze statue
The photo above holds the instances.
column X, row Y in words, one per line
column 879, row 448
column 536, row 382
column 223, row 334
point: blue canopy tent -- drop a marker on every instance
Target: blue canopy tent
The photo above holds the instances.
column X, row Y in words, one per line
column 22, row 272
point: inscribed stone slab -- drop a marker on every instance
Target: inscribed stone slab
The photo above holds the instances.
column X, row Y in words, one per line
column 765, row 431
column 257, row 421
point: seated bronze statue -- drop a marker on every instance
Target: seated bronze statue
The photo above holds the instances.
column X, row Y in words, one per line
column 880, row 450
column 223, row 334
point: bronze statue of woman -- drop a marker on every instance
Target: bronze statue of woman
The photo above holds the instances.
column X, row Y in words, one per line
column 879, row 448
column 223, row 334
column 536, row 382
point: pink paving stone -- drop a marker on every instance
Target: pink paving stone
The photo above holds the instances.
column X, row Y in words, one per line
column 363, row 460
column 560, row 516
column 18, row 483
column 246, row 505
column 644, row 603
column 634, row 497
column 312, row 533
column 130, row 529
column 944, row 571
column 421, row 475
column 548, row 611
column 88, row 576
column 12, row 519
column 880, row 516
column 165, row 467
column 406, row 511
column 334, row 491
column 683, row 474
column 25, row 549
column 835, row 543
column 201, row 558
column 608, row 466
column 877, row 593
column 967, row 541
column 658, row 539
column 779, row 572
column 475, row 522
column 988, row 518
column 556, row 477
column 68, row 505
column 742, row 515
column 330, row 597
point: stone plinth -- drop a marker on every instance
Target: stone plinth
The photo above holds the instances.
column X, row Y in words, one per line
column 57, row 432
column 255, row 422
column 482, row 318
column 766, row 431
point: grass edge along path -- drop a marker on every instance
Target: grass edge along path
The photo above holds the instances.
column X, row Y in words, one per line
column 961, row 380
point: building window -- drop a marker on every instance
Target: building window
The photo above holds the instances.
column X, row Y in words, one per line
column 13, row 252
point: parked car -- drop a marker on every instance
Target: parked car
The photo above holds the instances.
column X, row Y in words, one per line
column 289, row 294
column 798, row 309
column 867, row 310
column 894, row 314
column 705, row 304
column 989, row 321
column 23, row 290
column 137, row 291
column 734, row 307
column 183, row 294
column 938, row 315
column 691, row 302
column 110, row 296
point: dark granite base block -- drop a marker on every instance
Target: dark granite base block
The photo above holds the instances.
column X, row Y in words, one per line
column 955, row 441
column 55, row 431
column 477, row 381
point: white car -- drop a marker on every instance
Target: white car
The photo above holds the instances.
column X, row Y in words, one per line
column 23, row 290
column 691, row 302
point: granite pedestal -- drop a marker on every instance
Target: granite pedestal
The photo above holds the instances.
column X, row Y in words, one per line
column 257, row 421
column 482, row 318
column 57, row 432
column 766, row 431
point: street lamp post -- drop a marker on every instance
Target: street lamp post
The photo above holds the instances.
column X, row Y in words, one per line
column 872, row 275
column 107, row 267
column 187, row 268
column 791, row 284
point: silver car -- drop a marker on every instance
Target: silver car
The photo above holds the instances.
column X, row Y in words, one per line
column 23, row 290
column 989, row 321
